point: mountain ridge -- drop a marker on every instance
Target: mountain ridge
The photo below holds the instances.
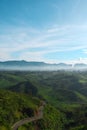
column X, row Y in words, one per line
column 36, row 65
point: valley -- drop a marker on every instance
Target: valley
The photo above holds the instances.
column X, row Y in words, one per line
column 65, row 94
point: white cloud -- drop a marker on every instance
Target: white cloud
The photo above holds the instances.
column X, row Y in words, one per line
column 32, row 56
column 52, row 39
column 4, row 55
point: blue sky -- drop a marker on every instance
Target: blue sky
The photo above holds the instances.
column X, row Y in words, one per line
column 43, row 30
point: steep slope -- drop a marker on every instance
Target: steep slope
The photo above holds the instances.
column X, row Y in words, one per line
column 14, row 107
column 67, row 96
column 64, row 90
column 25, row 87
column 10, row 78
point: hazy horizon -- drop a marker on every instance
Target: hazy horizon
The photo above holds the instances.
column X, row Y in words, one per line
column 51, row 31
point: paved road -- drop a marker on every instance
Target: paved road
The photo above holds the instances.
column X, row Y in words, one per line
column 31, row 119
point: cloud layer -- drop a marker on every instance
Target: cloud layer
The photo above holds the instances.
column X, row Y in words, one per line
column 36, row 44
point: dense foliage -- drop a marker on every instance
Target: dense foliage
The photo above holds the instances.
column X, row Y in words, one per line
column 14, row 107
column 65, row 91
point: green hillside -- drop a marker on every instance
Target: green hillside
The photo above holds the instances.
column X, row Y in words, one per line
column 24, row 87
column 14, row 107
column 22, row 92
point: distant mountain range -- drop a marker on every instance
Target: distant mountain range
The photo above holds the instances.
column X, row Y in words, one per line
column 24, row 65
column 21, row 63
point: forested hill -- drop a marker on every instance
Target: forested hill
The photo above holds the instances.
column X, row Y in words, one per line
column 15, row 107
column 24, row 87
column 65, row 94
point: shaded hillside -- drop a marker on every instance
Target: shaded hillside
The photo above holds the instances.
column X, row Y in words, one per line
column 66, row 96
column 54, row 86
column 64, row 80
column 10, row 78
column 83, row 91
column 25, row 87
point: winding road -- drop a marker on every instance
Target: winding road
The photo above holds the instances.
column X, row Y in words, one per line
column 31, row 119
